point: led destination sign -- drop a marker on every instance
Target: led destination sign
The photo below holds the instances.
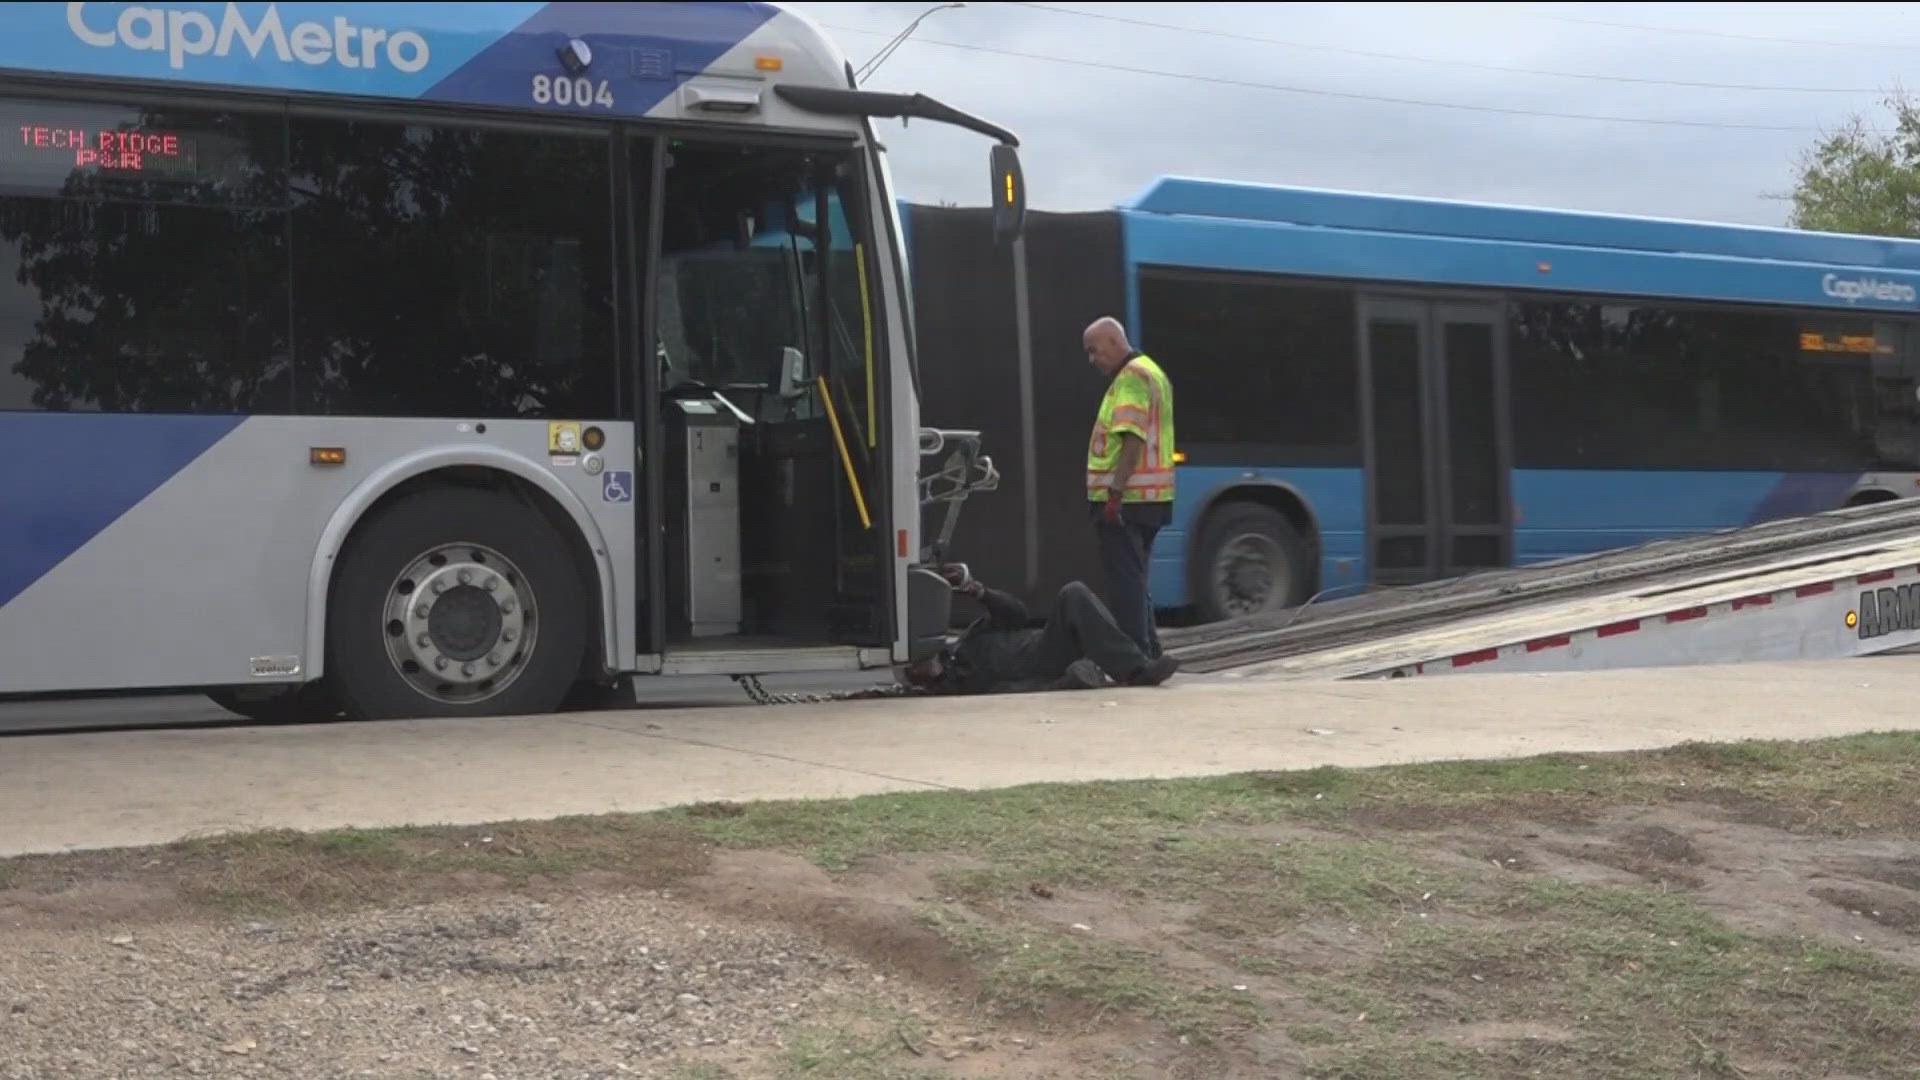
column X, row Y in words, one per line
column 106, row 150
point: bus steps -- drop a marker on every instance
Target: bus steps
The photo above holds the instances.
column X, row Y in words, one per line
column 1421, row 629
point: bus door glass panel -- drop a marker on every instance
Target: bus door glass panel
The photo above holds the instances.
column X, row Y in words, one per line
column 758, row 308
column 1473, row 458
column 1400, row 529
column 1437, row 452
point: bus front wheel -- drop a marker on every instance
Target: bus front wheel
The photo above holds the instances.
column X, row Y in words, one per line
column 456, row 602
column 1250, row 561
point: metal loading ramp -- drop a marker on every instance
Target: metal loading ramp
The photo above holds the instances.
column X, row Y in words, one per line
column 1843, row 583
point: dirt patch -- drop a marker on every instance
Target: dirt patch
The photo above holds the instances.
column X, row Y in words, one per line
column 1650, row 852
column 85, row 904
column 1117, row 918
column 1499, row 920
column 1661, row 844
column 1630, row 859
column 1746, row 808
column 1501, row 855
column 1758, row 879
column 1897, row 909
column 1571, row 811
column 706, row 980
column 874, row 913
column 1902, row 873
column 1495, row 1033
column 591, row 986
column 284, row 872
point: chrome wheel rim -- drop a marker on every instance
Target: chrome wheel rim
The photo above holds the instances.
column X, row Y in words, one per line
column 460, row 622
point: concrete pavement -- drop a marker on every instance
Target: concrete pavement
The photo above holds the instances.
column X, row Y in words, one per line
column 106, row 789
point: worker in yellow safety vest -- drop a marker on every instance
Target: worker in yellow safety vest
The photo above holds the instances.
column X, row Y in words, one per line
column 1129, row 474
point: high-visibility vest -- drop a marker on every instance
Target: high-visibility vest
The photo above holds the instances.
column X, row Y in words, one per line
column 1139, row 402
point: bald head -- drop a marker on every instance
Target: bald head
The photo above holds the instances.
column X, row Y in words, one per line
column 1106, row 344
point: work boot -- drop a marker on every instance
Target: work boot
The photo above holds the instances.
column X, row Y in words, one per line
column 1155, row 671
column 1082, row 674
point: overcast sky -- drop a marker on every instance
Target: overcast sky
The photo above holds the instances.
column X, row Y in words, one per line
column 1093, row 136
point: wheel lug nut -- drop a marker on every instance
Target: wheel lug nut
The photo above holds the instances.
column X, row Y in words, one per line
column 493, row 584
column 507, row 605
column 493, row 659
column 466, row 577
column 508, row 634
column 421, row 612
column 439, row 587
column 439, row 663
column 467, row 670
column 423, row 640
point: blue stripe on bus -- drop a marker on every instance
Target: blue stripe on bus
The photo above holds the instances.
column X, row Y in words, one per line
column 477, row 54
column 1565, row 512
column 1357, row 255
column 66, row 476
column 1804, row 493
column 41, row 37
column 630, row 43
column 1560, row 513
column 1175, row 196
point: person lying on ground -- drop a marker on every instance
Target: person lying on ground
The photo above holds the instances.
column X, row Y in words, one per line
column 1081, row 647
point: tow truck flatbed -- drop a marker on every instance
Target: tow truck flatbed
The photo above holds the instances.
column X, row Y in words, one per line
column 1836, row 584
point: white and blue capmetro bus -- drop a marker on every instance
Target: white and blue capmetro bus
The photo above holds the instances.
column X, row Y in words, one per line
column 443, row 359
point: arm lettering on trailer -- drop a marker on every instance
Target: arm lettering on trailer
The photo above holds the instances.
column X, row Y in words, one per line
column 581, row 93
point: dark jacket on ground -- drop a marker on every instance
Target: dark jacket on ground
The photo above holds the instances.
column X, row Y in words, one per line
column 997, row 652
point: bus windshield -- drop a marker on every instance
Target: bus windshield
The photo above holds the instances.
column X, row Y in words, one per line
column 747, row 274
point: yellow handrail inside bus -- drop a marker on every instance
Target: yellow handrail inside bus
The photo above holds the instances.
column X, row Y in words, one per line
column 866, row 325
column 846, row 459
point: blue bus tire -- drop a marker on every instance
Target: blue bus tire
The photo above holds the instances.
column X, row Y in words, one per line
column 1266, row 543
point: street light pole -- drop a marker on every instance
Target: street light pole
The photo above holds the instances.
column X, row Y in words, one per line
column 867, row 69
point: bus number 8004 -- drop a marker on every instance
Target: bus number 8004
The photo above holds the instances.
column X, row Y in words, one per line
column 583, row 93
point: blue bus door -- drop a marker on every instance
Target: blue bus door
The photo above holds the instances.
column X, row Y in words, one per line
column 1434, row 392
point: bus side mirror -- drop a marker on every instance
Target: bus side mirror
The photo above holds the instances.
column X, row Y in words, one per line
column 1009, row 194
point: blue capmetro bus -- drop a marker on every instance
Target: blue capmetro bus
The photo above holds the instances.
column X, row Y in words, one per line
column 1375, row 390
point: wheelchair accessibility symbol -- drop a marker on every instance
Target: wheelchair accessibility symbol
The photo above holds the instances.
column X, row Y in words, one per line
column 616, row 487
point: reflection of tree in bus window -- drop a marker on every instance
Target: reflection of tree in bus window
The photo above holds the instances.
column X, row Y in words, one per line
column 739, row 279
column 145, row 290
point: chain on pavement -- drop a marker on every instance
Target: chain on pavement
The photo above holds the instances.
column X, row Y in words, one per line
column 763, row 696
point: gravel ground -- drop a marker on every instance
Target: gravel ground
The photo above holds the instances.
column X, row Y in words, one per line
column 488, row 987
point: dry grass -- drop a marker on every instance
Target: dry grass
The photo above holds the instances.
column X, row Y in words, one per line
column 1332, row 922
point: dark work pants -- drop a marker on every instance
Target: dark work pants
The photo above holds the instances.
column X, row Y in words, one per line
column 1126, row 552
column 1082, row 627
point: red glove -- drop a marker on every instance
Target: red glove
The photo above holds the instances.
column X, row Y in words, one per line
column 1111, row 512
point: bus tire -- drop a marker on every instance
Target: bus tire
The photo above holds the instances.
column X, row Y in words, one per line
column 1250, row 561
column 455, row 602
